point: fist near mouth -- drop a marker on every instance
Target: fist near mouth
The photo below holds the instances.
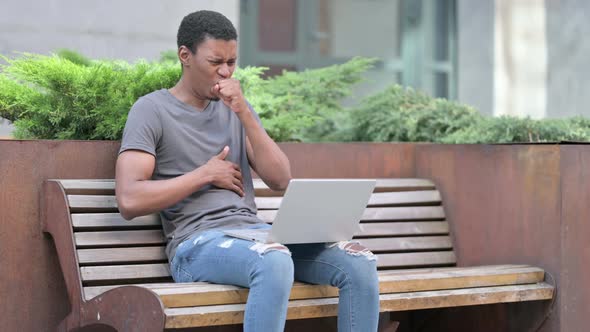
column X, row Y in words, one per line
column 230, row 92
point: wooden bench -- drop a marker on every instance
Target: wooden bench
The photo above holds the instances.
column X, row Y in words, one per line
column 116, row 271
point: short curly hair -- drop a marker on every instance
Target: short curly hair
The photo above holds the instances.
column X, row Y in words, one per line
column 197, row 26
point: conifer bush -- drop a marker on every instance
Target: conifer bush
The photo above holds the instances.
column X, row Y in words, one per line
column 68, row 96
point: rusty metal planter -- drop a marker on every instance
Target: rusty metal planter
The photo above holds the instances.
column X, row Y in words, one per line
column 506, row 203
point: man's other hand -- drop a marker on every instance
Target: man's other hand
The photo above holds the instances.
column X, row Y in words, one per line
column 225, row 174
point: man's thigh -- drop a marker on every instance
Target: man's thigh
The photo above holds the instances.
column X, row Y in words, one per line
column 215, row 257
column 322, row 263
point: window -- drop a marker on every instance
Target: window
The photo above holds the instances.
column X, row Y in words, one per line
column 414, row 40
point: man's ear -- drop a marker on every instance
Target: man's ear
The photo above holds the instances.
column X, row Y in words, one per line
column 184, row 55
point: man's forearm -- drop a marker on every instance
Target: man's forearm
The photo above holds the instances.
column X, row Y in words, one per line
column 271, row 164
column 138, row 198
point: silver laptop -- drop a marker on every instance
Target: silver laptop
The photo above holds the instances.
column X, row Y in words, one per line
column 315, row 210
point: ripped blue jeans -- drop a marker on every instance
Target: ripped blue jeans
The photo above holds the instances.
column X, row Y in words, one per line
column 269, row 270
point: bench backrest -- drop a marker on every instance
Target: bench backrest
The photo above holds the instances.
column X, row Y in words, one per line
column 404, row 224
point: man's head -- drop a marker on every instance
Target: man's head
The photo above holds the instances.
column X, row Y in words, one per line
column 207, row 49
column 198, row 26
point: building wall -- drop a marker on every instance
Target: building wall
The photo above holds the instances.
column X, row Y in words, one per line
column 520, row 58
column 568, row 85
column 511, row 74
column 128, row 30
column 475, row 54
column 142, row 29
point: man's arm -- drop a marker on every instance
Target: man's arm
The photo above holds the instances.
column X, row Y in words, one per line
column 265, row 156
column 137, row 195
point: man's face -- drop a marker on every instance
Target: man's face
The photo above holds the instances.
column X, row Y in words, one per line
column 213, row 61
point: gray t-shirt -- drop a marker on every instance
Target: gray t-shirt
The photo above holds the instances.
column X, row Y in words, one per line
column 182, row 139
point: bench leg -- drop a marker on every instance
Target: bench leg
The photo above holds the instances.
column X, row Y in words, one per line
column 386, row 324
column 66, row 324
column 126, row 309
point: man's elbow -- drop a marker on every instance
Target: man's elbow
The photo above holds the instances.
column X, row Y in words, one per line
column 281, row 185
column 126, row 207
column 127, row 215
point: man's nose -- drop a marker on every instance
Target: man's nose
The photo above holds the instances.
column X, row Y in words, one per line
column 224, row 71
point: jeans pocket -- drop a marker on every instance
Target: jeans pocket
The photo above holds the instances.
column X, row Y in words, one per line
column 178, row 273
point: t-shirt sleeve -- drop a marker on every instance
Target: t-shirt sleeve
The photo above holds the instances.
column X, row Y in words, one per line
column 143, row 128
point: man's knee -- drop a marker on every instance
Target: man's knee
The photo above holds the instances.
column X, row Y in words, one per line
column 354, row 248
column 275, row 266
column 263, row 248
column 359, row 264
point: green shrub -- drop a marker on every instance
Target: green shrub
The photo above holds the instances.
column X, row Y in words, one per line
column 54, row 97
column 74, row 57
column 508, row 129
column 400, row 114
column 297, row 106
column 67, row 96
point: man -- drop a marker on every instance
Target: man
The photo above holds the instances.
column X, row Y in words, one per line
column 186, row 153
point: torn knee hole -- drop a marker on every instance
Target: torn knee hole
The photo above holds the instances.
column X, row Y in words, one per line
column 263, row 248
column 354, row 248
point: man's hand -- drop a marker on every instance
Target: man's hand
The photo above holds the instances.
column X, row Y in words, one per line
column 225, row 174
column 230, row 92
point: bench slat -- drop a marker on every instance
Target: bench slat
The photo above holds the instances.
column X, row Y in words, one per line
column 404, row 228
column 383, row 185
column 155, row 236
column 204, row 295
column 121, row 255
column 405, row 198
column 408, row 243
column 92, row 203
column 404, row 213
column 117, row 273
column 315, row 308
column 200, row 293
column 416, row 259
column 383, row 214
column 150, row 254
column 81, row 203
column 89, row 186
column 118, row 238
column 85, row 221
column 107, row 186
column 377, row 199
column 403, row 185
column 124, row 272
column 474, row 270
column 82, row 221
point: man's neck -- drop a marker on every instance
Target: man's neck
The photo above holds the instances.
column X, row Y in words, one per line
column 183, row 92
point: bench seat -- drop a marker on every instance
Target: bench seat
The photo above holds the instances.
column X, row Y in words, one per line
column 106, row 260
column 204, row 304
